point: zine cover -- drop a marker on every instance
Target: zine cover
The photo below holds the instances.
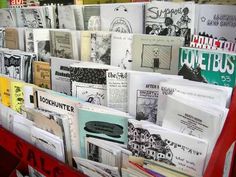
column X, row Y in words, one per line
column 79, row 17
column 208, row 66
column 17, row 95
column 61, row 104
column 101, row 125
column 117, row 90
column 66, row 17
column 29, row 40
column 42, row 74
column 170, row 19
column 60, row 72
column 216, row 21
column 5, row 91
column 32, row 17
column 156, row 53
column 159, row 144
column 92, row 19
column 12, row 66
column 85, row 49
column 121, row 50
column 41, row 40
column 2, row 37
column 61, row 44
column 89, row 84
column 27, row 67
column 11, row 38
column 124, row 18
column 7, row 18
column 101, row 47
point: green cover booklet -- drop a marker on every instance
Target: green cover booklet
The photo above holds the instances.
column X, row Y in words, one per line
column 209, row 66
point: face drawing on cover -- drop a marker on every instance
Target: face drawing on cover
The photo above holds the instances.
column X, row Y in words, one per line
column 126, row 60
column 94, row 99
column 120, row 24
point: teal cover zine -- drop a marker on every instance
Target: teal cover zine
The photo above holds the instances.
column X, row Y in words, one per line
column 105, row 126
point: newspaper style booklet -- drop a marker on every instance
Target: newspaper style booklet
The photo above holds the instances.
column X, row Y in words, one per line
column 66, row 17
column 156, row 53
column 143, row 90
column 160, row 144
column 92, row 20
column 101, row 47
column 216, row 21
column 113, row 171
column 117, row 91
column 7, row 18
column 60, row 74
column 205, row 94
column 48, row 143
column 122, row 17
column 170, row 19
column 61, row 104
column 110, row 126
column 41, row 40
column 121, row 50
column 208, row 66
column 88, row 81
column 195, row 118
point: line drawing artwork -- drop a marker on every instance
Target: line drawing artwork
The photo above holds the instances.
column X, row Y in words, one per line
column 12, row 66
column 156, row 56
column 146, row 105
column 126, row 60
column 169, row 25
column 101, row 48
column 31, row 18
column 150, row 146
column 121, row 24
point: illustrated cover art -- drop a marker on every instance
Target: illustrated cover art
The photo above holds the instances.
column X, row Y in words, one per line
column 121, row 50
column 124, row 18
column 170, row 19
column 156, row 53
column 27, row 63
column 31, row 17
column 208, row 66
column 61, row 44
column 156, row 143
column 100, row 125
column 17, row 96
column 12, row 66
column 7, row 18
column 92, row 19
column 42, row 74
column 217, row 21
column 146, row 105
column 101, row 47
column 89, row 84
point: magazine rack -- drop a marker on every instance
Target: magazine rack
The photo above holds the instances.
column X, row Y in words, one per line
column 24, row 154
column 19, row 154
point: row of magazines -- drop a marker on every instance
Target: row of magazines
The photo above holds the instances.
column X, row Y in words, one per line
column 116, row 114
column 118, row 102
column 155, row 18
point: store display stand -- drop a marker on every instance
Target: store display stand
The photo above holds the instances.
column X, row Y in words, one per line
column 222, row 162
